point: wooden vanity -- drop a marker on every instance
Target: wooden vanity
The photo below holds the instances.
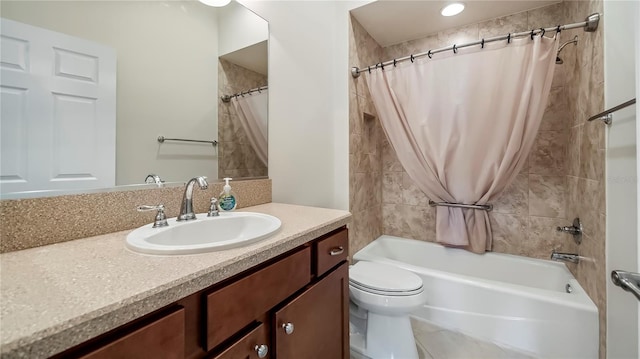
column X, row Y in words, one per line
column 94, row 298
column 295, row 305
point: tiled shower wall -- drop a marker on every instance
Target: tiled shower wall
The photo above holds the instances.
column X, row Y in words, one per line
column 563, row 178
column 365, row 146
column 584, row 90
column 236, row 157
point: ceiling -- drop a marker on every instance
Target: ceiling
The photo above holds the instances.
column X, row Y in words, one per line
column 393, row 21
column 252, row 57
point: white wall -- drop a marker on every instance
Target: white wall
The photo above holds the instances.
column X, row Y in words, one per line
column 167, row 77
column 622, row 178
column 308, row 100
column 239, row 28
column 637, row 23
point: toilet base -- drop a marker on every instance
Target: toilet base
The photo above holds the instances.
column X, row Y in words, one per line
column 386, row 337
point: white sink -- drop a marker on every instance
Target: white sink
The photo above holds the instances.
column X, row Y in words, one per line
column 204, row 234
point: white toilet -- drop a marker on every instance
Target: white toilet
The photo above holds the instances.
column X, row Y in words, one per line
column 382, row 296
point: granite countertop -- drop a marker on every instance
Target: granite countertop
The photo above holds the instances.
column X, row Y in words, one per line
column 60, row 295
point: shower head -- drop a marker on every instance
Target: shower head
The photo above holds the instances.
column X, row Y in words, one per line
column 559, row 61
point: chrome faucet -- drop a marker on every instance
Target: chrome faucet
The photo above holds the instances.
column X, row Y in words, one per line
column 151, row 178
column 575, row 230
column 565, row 257
column 186, row 209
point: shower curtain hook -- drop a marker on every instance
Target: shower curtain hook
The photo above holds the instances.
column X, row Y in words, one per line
column 369, row 69
column 394, row 62
column 411, row 58
column 531, row 34
column 455, row 50
column 558, row 29
column 509, row 38
column 542, row 31
column 382, row 65
column 482, row 44
column 429, row 54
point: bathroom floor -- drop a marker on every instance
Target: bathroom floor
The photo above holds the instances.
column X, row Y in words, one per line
column 439, row 343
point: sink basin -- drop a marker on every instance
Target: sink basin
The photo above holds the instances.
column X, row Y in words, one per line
column 205, row 234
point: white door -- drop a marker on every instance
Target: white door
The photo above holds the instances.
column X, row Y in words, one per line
column 58, row 103
column 621, row 42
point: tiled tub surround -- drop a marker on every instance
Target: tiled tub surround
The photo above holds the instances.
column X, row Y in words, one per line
column 28, row 223
column 236, row 157
column 564, row 175
column 90, row 286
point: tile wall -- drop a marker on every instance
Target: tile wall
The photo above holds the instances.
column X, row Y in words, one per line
column 365, row 145
column 585, row 169
column 564, row 175
column 236, row 157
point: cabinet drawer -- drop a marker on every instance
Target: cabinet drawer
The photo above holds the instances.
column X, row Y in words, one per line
column 249, row 346
column 163, row 338
column 331, row 251
column 233, row 307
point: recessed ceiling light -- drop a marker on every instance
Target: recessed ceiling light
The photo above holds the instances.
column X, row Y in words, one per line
column 216, row 3
column 451, row 9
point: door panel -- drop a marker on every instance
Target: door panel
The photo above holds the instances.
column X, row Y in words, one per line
column 58, row 111
column 315, row 315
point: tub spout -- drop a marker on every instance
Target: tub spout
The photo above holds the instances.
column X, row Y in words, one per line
column 565, row 257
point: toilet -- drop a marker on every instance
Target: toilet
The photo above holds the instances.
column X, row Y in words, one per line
column 381, row 298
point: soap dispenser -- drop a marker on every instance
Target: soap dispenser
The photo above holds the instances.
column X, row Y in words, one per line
column 227, row 199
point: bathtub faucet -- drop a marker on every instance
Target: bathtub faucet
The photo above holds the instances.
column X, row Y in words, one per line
column 575, row 230
column 565, row 257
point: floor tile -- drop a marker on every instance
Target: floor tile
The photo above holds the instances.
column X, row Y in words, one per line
column 438, row 343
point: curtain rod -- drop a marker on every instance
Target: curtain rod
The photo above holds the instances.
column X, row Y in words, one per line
column 590, row 24
column 227, row 98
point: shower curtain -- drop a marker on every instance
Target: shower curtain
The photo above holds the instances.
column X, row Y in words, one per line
column 463, row 125
column 252, row 114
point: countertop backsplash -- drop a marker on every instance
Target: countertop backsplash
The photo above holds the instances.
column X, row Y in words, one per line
column 34, row 222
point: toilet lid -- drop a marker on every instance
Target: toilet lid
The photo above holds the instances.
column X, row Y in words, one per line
column 379, row 277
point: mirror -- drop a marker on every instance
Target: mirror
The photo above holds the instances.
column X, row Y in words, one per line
column 150, row 69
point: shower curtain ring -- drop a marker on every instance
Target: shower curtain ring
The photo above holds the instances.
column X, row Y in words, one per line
column 509, row 38
column 531, row 34
column 369, row 69
column 429, row 54
column 411, row 58
column 394, row 62
column 382, row 65
column 482, row 44
column 455, row 49
column 542, row 31
column 558, row 29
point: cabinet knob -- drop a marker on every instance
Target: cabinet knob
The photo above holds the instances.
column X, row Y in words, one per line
column 262, row 350
column 288, row 328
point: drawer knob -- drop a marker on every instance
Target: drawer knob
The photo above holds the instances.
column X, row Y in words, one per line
column 288, row 328
column 336, row 251
column 262, row 350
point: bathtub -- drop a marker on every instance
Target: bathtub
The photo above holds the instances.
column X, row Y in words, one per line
column 516, row 302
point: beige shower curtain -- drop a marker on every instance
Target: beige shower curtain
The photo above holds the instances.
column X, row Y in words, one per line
column 252, row 114
column 463, row 125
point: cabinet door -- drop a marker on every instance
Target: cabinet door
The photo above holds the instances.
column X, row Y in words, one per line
column 315, row 324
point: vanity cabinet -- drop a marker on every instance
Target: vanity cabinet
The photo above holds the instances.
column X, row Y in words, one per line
column 293, row 306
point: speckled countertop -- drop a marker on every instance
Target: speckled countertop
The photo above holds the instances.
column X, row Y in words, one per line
column 57, row 296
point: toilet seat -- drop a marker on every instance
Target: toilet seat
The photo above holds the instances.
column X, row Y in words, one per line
column 384, row 279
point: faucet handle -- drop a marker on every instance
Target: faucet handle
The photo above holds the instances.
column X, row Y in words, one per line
column 213, row 208
column 161, row 218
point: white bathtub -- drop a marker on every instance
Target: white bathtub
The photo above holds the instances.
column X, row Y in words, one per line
column 517, row 302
